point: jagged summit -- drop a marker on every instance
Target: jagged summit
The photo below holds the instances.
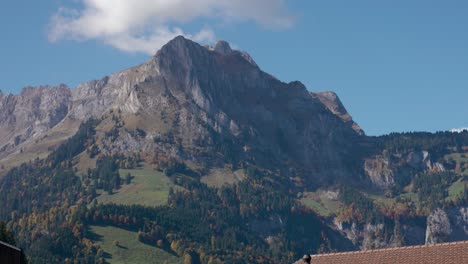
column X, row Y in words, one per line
column 177, row 44
column 222, row 47
column 182, row 46
column 192, row 92
column 178, row 41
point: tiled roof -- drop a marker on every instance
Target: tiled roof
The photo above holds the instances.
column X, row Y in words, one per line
column 445, row 253
column 8, row 245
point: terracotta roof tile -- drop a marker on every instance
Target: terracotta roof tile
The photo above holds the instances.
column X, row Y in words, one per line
column 445, row 253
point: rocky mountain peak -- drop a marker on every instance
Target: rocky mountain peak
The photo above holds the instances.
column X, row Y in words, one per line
column 179, row 40
column 334, row 104
column 222, row 47
column 205, row 91
column 179, row 46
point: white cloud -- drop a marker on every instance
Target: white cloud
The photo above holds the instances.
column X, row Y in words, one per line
column 145, row 25
column 459, row 130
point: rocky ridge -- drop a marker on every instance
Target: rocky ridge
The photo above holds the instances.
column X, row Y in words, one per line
column 205, row 90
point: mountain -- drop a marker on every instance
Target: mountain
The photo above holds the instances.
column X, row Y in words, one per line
column 203, row 91
column 198, row 155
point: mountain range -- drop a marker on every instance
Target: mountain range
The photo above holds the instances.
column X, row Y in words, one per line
column 200, row 132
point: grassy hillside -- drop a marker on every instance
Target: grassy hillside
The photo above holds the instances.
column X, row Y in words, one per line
column 129, row 249
column 219, row 177
column 148, row 187
column 38, row 148
column 456, row 189
column 321, row 203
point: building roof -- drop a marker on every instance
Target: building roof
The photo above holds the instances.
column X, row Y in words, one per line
column 8, row 245
column 444, row 253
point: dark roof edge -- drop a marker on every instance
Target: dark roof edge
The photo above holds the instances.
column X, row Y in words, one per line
column 10, row 246
column 391, row 249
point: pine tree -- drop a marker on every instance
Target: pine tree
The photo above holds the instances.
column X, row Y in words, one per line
column 128, row 178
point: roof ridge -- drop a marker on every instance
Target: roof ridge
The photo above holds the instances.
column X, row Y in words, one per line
column 391, row 249
column 10, row 246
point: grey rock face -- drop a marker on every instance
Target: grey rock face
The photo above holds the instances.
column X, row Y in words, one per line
column 334, row 104
column 422, row 160
column 379, row 170
column 447, row 226
column 374, row 236
column 31, row 113
column 384, row 170
column 438, row 227
column 236, row 98
column 365, row 236
column 222, row 47
column 418, row 159
column 248, row 58
column 204, row 91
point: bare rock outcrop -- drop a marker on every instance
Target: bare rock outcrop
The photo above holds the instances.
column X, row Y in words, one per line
column 385, row 170
column 29, row 114
column 368, row 236
column 447, row 225
column 222, row 47
column 334, row 104
column 380, row 171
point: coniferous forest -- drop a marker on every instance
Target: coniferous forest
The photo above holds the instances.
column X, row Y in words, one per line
column 48, row 207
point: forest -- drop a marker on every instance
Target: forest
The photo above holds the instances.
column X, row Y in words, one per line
column 48, row 207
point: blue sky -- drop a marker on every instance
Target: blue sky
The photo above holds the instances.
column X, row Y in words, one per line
column 396, row 65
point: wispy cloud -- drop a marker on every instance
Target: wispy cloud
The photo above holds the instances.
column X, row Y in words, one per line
column 145, row 25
